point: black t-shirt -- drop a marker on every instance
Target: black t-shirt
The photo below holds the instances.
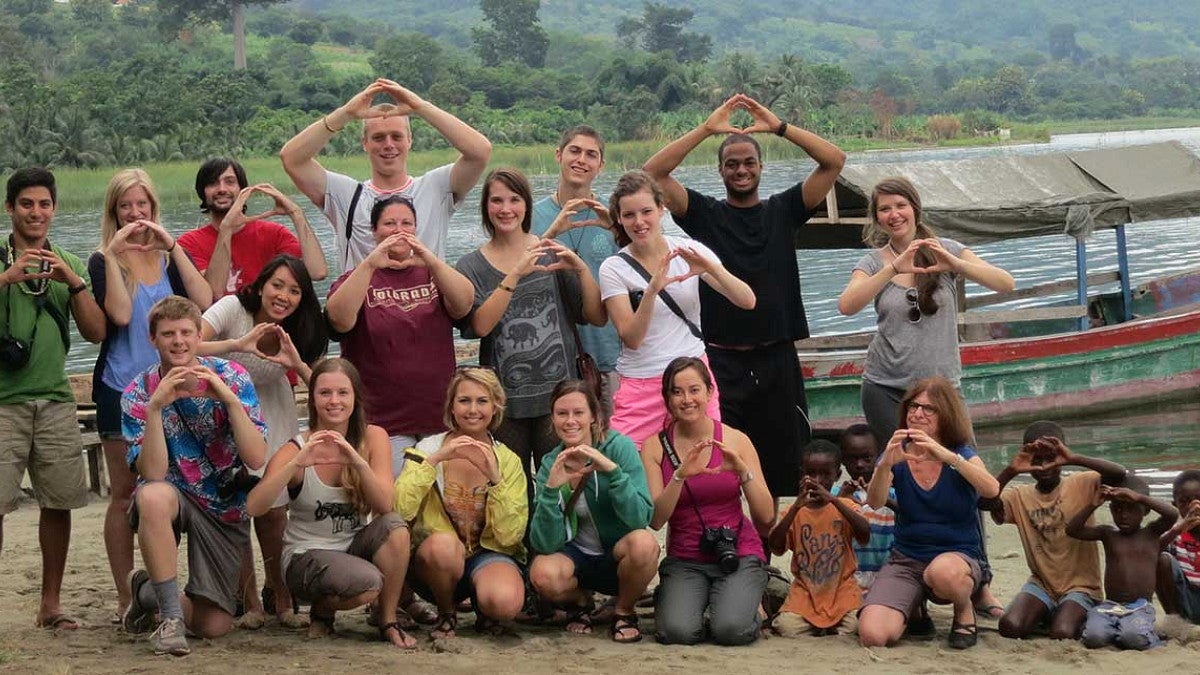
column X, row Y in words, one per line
column 756, row 245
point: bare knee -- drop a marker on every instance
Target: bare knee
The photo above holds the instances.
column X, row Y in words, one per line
column 156, row 500
column 440, row 550
column 639, row 548
column 552, row 575
column 879, row 626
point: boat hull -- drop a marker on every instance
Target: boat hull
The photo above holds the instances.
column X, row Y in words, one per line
column 1015, row 380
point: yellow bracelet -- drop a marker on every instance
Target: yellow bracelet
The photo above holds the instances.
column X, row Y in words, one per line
column 325, row 121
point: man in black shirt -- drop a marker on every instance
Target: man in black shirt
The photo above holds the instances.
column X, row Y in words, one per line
column 751, row 351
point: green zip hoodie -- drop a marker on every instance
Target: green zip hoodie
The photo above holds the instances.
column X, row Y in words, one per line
column 619, row 500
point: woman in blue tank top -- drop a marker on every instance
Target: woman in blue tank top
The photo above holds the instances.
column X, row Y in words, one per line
column 938, row 480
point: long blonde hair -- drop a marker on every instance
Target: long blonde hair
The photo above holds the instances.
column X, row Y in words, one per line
column 121, row 182
column 356, row 431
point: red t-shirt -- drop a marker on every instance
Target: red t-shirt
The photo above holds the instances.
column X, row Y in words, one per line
column 256, row 243
column 403, row 346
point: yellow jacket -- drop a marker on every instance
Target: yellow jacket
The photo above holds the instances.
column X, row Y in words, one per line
column 419, row 500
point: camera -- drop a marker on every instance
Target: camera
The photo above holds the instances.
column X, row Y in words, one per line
column 14, row 353
column 238, row 480
column 721, row 542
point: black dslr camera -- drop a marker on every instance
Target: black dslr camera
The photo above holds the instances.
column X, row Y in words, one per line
column 238, row 480
column 14, row 353
column 721, row 542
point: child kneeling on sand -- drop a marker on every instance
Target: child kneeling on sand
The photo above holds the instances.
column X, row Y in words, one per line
column 1064, row 579
column 817, row 529
column 1126, row 618
column 1179, row 563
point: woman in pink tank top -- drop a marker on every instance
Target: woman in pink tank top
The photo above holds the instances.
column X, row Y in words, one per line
column 698, row 470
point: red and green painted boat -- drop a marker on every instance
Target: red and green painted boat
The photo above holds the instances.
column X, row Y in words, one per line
column 1096, row 354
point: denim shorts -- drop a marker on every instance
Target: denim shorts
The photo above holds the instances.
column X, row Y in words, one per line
column 1187, row 596
column 1078, row 597
column 594, row 572
column 108, row 411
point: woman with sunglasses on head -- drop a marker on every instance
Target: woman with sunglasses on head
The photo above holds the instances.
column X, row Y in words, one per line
column 270, row 327
column 938, row 480
column 338, row 475
column 393, row 316
column 910, row 276
column 463, row 494
column 137, row 264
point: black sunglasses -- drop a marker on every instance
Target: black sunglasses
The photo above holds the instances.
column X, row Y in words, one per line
column 914, row 310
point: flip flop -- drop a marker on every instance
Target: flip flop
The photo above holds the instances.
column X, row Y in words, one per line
column 989, row 611
column 60, row 621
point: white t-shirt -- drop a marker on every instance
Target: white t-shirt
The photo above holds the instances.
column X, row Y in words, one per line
column 667, row 337
column 430, row 193
column 231, row 321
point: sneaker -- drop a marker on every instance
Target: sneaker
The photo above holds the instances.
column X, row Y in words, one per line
column 169, row 638
column 137, row 618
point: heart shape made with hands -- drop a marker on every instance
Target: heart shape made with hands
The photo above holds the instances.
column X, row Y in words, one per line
column 269, row 344
column 192, row 386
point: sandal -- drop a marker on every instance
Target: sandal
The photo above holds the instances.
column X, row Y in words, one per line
column 580, row 619
column 485, row 625
column 623, row 623
column 962, row 635
column 420, row 611
column 407, row 641
column 319, row 626
column 446, row 624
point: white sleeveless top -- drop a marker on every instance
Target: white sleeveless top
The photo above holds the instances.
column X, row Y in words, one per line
column 319, row 518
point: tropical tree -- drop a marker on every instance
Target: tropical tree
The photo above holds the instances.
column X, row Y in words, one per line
column 513, row 33
column 176, row 13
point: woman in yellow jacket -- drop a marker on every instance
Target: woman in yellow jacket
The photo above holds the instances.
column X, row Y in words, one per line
column 463, row 494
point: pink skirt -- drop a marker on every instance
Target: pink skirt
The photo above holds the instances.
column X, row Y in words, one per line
column 639, row 411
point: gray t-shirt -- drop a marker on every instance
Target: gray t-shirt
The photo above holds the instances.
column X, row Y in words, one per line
column 531, row 347
column 902, row 351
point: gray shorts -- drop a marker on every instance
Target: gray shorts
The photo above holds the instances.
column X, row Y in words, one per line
column 324, row 573
column 214, row 551
column 900, row 583
column 43, row 438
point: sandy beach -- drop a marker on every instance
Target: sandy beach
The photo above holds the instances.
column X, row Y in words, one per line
column 101, row 648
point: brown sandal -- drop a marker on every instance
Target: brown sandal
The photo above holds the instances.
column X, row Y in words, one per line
column 408, row 642
column 622, row 623
column 447, row 623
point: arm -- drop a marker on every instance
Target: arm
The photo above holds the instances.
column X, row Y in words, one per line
column 1111, row 473
column 1078, row 528
column 458, row 294
column 283, row 471
column 983, row 273
column 972, row 470
column 1167, row 513
column 474, row 148
column 881, row 478
column 151, row 462
column 777, row 540
column 547, row 525
column 488, row 314
column 194, row 283
column 377, row 470
column 248, row 434
column 89, row 318
column 412, row 486
column 758, row 496
column 299, row 155
column 344, row 303
column 627, row 485
column 118, row 305
column 734, row 289
column 1021, row 463
column 863, row 288
column 829, row 158
column 1185, row 524
column 664, row 496
column 858, row 523
column 310, row 248
column 670, row 157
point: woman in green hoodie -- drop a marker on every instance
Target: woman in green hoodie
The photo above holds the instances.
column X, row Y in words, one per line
column 590, row 516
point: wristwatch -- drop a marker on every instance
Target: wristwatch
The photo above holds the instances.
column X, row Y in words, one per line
column 746, row 477
column 677, row 477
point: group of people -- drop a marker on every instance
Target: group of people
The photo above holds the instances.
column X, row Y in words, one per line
column 627, row 380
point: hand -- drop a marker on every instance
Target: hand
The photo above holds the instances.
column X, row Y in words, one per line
column 897, row 450
column 922, row 447
column 420, row 252
column 1023, row 461
column 564, row 259
column 59, row 269
column 697, row 264
column 718, row 122
column 122, row 239
column 380, row 257
column 599, row 460
column 694, row 462
column 1192, row 509
column 253, row 341
column 283, row 205
column 158, row 239
column 178, row 383
column 217, row 389
column 765, row 121
column 287, row 356
column 320, row 448
column 482, row 456
column 563, row 221
column 1062, row 454
column 529, row 261
column 236, row 218
column 905, row 263
column 731, row 459
column 31, row 258
column 359, row 106
column 407, row 102
column 570, row 465
column 1122, row 494
column 813, row 492
column 849, row 487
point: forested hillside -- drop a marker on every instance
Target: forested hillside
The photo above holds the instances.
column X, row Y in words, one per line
column 86, row 83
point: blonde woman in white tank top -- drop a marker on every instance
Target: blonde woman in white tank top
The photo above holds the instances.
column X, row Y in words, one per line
column 339, row 475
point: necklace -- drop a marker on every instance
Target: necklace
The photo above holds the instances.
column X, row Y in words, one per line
column 893, row 249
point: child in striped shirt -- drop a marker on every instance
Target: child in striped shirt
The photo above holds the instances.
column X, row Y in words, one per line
column 859, row 452
column 1179, row 564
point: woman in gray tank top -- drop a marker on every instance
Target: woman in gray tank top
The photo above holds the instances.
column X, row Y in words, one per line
column 339, row 474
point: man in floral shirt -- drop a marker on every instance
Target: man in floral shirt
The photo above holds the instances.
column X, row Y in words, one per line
column 194, row 427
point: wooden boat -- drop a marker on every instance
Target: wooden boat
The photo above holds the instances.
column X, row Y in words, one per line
column 1093, row 355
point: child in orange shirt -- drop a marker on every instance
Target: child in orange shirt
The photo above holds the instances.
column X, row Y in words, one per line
column 818, row 529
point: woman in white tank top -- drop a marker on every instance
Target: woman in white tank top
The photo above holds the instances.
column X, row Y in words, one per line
column 339, row 474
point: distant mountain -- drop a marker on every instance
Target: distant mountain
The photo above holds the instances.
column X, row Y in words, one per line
column 849, row 30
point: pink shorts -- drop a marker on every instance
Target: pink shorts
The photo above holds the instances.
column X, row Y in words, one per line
column 639, row 411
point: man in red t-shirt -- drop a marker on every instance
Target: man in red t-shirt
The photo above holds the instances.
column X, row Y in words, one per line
column 232, row 248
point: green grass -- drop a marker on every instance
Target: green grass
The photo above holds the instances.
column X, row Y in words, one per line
column 343, row 61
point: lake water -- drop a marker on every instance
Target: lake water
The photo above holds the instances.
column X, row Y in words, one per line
column 1159, row 441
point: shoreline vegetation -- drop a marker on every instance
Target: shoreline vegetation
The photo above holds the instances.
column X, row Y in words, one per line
column 82, row 190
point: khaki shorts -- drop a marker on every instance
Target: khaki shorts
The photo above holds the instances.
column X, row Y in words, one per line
column 43, row 437
column 322, row 573
column 214, row 550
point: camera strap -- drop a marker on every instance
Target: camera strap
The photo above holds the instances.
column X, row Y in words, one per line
column 40, row 300
column 663, row 294
column 358, row 190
